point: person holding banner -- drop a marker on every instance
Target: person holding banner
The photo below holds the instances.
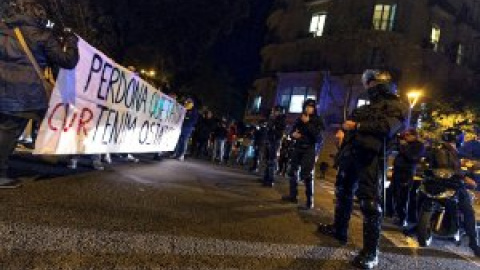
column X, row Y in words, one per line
column 22, row 92
column 189, row 122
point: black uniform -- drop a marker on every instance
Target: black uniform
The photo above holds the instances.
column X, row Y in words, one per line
column 446, row 156
column 259, row 138
column 303, row 156
column 361, row 165
column 275, row 130
column 404, row 168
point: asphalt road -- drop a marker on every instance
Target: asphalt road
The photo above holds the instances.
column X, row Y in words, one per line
column 182, row 215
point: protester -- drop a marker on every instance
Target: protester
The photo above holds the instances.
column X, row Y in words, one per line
column 275, row 128
column 220, row 136
column 360, row 163
column 189, row 122
column 246, row 147
column 203, row 132
column 22, row 94
column 305, row 132
column 411, row 150
column 231, row 138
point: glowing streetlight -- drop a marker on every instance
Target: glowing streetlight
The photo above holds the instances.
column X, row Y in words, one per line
column 413, row 98
column 152, row 73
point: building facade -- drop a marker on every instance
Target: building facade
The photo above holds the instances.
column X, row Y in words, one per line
column 319, row 49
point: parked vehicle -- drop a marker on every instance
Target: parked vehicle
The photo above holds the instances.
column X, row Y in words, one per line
column 439, row 214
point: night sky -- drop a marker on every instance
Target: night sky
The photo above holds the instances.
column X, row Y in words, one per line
column 210, row 49
column 240, row 51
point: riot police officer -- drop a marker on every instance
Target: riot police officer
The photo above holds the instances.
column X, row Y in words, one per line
column 275, row 129
column 360, row 164
column 307, row 133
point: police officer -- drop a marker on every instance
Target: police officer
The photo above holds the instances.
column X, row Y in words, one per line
column 306, row 132
column 410, row 151
column 275, row 129
column 446, row 156
column 259, row 138
column 360, row 162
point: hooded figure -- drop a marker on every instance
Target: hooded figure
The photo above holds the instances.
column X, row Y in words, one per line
column 22, row 94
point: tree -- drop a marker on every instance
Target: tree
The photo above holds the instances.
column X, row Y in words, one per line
column 440, row 115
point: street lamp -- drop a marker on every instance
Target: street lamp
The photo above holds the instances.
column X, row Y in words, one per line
column 413, row 97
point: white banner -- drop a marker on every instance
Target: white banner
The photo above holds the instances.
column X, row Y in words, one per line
column 102, row 107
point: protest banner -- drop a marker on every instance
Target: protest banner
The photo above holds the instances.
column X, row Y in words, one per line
column 102, row 107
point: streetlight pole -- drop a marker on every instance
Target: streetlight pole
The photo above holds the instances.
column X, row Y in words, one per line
column 412, row 100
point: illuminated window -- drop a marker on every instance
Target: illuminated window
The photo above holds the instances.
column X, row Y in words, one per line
column 384, row 17
column 317, row 25
column 294, row 97
column 435, row 37
column 460, row 54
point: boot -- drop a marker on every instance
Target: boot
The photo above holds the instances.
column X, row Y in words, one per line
column 308, row 206
column 339, row 228
column 330, row 230
column 368, row 256
column 366, row 260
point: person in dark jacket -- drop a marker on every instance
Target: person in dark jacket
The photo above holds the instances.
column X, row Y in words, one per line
column 306, row 131
column 446, row 156
column 22, row 95
column 220, row 136
column 361, row 165
column 189, row 122
column 275, row 128
column 259, row 138
column 205, row 128
column 410, row 151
